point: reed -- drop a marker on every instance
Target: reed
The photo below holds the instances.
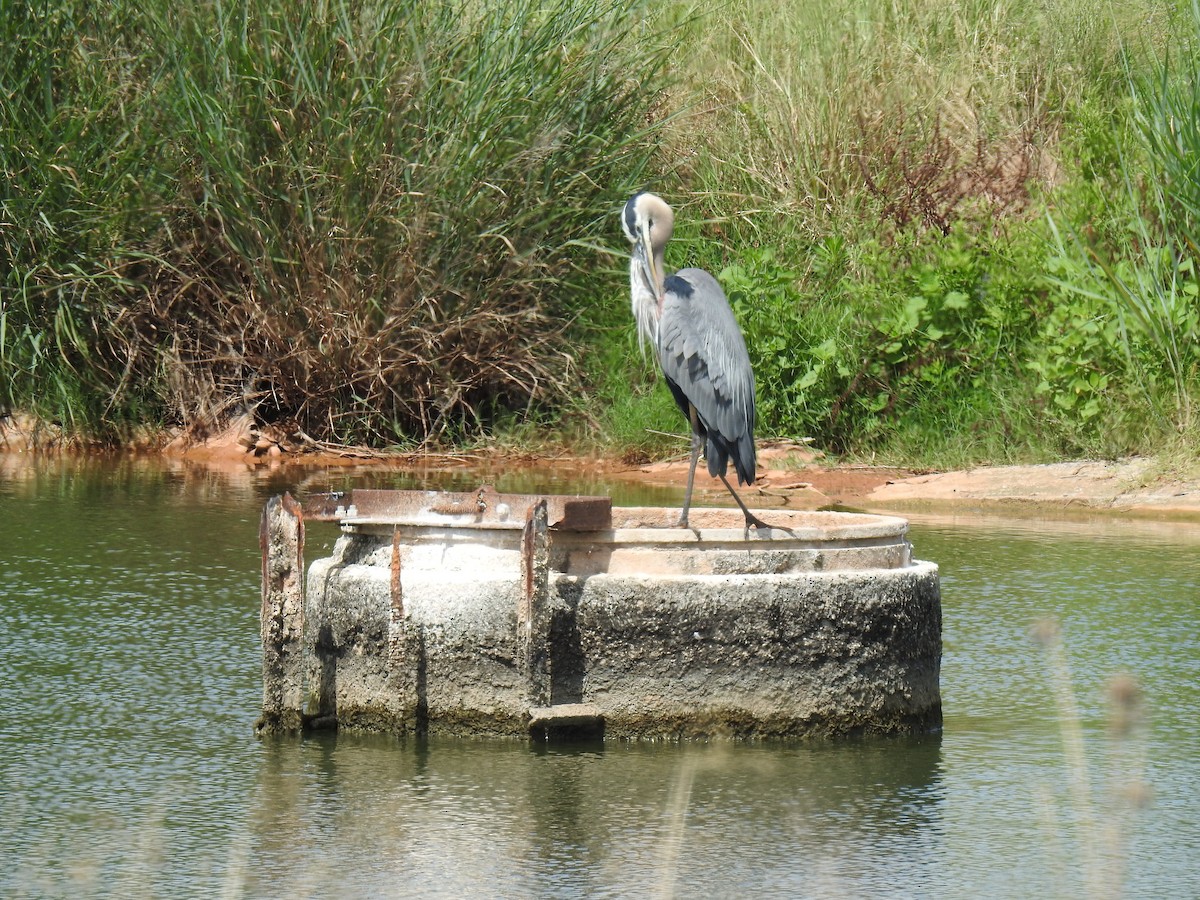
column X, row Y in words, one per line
column 356, row 221
column 73, row 157
column 1144, row 274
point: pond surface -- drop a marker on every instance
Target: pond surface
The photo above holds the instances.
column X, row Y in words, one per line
column 131, row 680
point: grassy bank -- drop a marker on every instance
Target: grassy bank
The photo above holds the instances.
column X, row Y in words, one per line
column 952, row 232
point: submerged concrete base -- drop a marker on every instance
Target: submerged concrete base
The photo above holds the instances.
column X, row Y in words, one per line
column 823, row 626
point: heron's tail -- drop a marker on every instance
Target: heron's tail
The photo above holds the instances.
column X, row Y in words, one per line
column 721, row 450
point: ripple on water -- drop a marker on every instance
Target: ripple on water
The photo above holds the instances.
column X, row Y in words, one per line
column 128, row 643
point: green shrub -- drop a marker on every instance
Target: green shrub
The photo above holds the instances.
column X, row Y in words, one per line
column 847, row 357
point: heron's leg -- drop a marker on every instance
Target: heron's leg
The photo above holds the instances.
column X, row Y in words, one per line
column 751, row 519
column 687, row 497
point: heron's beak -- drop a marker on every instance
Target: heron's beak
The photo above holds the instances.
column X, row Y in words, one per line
column 655, row 277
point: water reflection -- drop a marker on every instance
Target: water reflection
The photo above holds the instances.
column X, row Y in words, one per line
column 364, row 814
column 100, row 477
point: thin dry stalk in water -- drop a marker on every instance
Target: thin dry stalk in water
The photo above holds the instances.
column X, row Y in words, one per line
column 1102, row 843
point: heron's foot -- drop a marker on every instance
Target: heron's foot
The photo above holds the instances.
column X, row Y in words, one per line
column 756, row 522
column 759, row 525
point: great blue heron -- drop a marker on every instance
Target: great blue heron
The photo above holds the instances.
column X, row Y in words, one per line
column 687, row 321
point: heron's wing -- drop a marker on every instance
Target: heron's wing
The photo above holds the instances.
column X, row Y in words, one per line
column 702, row 351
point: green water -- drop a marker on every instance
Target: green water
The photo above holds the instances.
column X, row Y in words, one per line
column 129, row 683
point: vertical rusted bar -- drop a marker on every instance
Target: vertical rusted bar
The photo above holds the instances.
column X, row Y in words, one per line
column 533, row 620
column 397, row 591
column 281, row 540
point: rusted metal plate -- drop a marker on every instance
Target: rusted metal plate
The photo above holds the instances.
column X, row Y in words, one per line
column 482, row 508
column 326, row 507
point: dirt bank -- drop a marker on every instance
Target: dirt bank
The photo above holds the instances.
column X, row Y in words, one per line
column 790, row 476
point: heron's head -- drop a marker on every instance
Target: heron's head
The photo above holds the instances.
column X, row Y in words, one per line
column 648, row 223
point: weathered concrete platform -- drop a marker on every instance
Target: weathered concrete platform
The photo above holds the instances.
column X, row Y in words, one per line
column 484, row 613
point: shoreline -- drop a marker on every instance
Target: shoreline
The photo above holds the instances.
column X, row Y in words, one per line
column 791, row 475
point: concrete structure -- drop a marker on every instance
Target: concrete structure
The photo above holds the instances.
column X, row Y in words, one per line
column 485, row 613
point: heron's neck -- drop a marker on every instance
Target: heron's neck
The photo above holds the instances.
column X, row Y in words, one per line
column 647, row 300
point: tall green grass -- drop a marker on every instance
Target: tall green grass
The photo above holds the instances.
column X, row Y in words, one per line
column 1125, row 267
column 1144, row 276
column 74, row 154
column 362, row 221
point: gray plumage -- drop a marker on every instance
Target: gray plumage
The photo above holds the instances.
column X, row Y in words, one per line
column 704, row 359
column 686, row 320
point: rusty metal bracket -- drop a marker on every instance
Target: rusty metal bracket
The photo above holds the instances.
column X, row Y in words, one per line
column 401, row 668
